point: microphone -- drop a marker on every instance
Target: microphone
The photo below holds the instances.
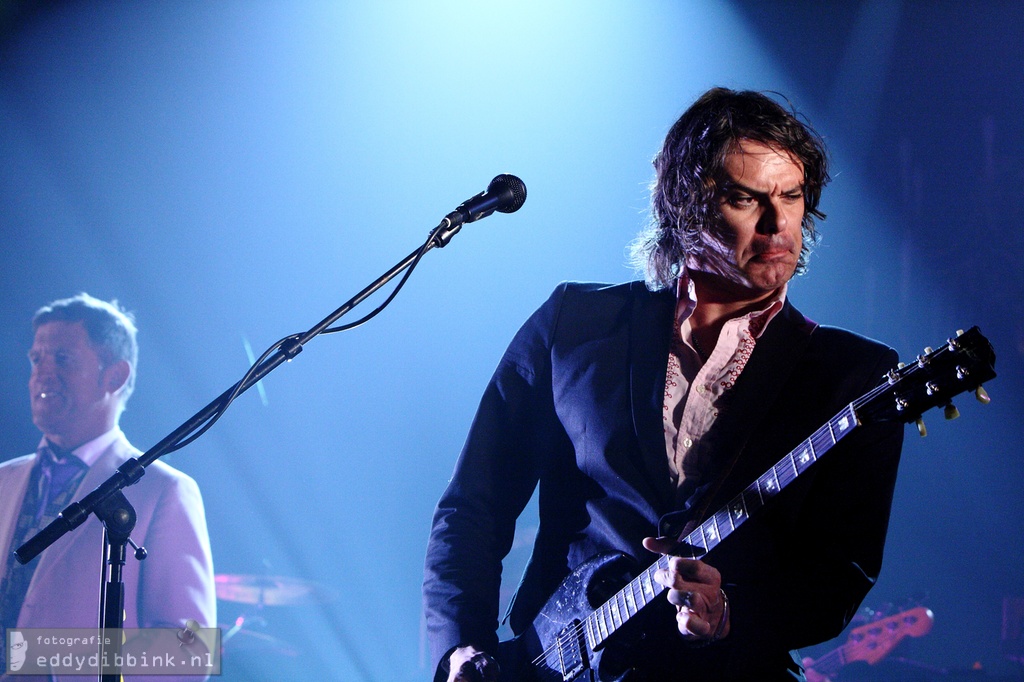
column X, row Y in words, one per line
column 505, row 194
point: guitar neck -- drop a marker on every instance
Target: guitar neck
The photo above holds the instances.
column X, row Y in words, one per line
column 643, row 589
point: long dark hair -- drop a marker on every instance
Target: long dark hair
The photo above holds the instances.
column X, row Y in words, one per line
column 691, row 166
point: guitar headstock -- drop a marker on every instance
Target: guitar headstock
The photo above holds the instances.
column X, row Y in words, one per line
column 963, row 363
column 872, row 642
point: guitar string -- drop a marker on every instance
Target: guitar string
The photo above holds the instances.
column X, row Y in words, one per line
column 577, row 630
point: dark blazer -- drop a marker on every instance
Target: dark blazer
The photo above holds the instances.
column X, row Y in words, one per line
column 576, row 406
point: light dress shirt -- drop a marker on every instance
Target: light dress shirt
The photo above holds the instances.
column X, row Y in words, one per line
column 695, row 388
column 91, row 451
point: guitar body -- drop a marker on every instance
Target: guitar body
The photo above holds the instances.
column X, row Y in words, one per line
column 554, row 648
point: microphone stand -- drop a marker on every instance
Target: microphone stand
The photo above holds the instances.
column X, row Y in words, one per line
column 108, row 502
column 118, row 517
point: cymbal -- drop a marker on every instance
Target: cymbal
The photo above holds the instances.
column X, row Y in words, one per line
column 239, row 639
column 270, row 590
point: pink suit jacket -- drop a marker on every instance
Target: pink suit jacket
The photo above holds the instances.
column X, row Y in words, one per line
column 173, row 584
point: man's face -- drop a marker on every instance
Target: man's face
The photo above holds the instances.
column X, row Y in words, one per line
column 19, row 649
column 761, row 203
column 73, row 395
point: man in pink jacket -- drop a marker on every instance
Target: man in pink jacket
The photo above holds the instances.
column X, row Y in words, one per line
column 83, row 358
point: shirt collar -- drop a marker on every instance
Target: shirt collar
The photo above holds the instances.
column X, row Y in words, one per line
column 686, row 301
column 91, row 451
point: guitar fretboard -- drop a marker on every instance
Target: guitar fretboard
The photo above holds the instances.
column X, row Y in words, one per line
column 628, row 601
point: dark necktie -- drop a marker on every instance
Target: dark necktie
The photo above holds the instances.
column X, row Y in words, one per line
column 56, row 469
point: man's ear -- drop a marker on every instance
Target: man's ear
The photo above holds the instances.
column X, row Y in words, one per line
column 116, row 376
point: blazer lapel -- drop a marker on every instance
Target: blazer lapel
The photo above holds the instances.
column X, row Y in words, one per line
column 84, row 539
column 12, row 492
column 650, row 336
column 775, row 356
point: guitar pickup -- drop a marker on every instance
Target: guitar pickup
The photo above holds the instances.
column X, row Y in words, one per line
column 571, row 651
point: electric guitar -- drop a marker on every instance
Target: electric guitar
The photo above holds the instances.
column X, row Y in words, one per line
column 871, row 643
column 571, row 634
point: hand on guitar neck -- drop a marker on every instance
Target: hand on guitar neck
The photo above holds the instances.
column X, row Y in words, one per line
column 870, row 643
column 695, row 589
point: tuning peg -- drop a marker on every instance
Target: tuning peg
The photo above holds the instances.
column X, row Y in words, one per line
column 921, row 427
column 982, row 395
column 951, row 412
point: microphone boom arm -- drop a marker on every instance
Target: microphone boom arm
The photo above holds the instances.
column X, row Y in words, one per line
column 133, row 469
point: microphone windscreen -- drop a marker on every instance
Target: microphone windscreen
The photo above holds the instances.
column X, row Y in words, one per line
column 514, row 186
